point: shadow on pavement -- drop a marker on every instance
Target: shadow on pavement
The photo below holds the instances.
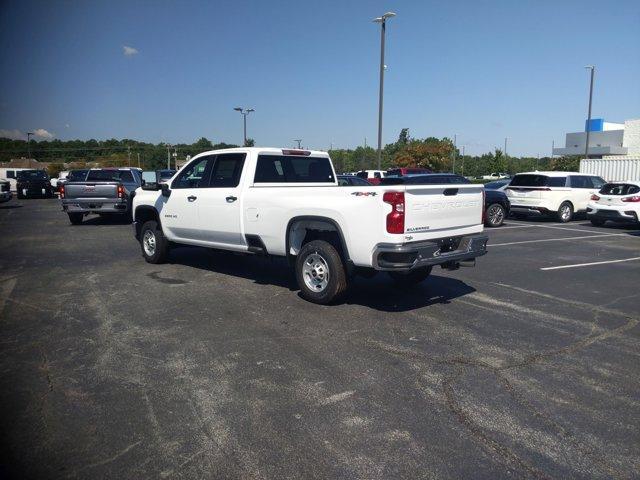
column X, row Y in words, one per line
column 380, row 293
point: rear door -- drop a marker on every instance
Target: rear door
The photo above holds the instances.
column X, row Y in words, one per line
column 179, row 214
column 219, row 204
column 442, row 207
column 582, row 187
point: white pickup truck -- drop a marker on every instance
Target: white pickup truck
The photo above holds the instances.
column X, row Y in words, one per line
column 288, row 203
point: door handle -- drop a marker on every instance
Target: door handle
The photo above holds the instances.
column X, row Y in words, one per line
column 191, row 198
column 231, row 199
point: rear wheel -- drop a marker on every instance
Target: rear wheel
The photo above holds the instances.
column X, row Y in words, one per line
column 75, row 218
column 153, row 243
column 565, row 212
column 320, row 272
column 411, row 277
column 597, row 222
column 495, row 214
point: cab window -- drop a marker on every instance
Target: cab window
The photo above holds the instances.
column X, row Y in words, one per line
column 194, row 175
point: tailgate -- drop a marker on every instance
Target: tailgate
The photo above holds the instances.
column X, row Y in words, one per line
column 91, row 190
column 442, row 208
column 518, row 193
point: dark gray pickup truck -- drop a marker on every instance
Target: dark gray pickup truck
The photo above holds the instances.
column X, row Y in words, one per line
column 104, row 191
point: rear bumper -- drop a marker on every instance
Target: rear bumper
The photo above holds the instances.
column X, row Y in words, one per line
column 82, row 205
column 615, row 214
column 535, row 211
column 407, row 256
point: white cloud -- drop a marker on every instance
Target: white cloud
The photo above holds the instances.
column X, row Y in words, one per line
column 42, row 133
column 12, row 134
column 129, row 51
column 66, row 125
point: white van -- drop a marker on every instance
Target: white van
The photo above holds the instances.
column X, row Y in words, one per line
column 11, row 174
column 560, row 194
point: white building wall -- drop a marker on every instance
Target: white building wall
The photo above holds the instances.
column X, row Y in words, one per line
column 631, row 138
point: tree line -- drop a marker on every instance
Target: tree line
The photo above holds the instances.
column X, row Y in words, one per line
column 437, row 154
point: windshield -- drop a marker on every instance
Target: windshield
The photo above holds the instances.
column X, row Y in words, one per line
column 32, row 175
column 77, row 175
column 533, row 180
column 110, row 176
column 619, row 189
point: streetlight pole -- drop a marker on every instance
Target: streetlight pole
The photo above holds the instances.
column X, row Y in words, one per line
column 244, row 112
column 29, row 146
column 463, row 160
column 298, row 140
column 383, row 26
column 505, row 148
column 455, row 142
column 586, row 148
column 168, row 157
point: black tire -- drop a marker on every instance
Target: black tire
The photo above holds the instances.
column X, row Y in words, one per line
column 320, row 273
column 597, row 222
column 494, row 214
column 153, row 243
column 565, row 212
column 411, row 277
column 75, row 218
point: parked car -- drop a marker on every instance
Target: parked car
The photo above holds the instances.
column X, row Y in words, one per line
column 352, row 181
column 558, row 194
column 33, row 183
column 403, row 171
column 56, row 182
column 496, row 203
column 103, row 191
column 499, row 185
column 5, row 190
column 495, row 176
column 285, row 202
column 617, row 202
column 372, row 176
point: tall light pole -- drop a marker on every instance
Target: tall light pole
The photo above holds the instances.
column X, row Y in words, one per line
column 168, row 156
column 383, row 26
column 298, row 140
column 29, row 146
column 244, row 112
column 455, row 142
column 505, row 148
column 586, row 148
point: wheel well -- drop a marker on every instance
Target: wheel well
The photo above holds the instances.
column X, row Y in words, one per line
column 569, row 202
column 306, row 229
column 144, row 214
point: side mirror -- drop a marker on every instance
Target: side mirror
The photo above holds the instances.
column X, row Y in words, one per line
column 166, row 191
column 150, row 186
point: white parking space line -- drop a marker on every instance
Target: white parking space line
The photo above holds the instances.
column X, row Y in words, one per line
column 526, row 225
column 558, row 239
column 590, row 264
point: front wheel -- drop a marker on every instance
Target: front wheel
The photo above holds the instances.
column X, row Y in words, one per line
column 320, row 272
column 495, row 214
column 565, row 212
column 153, row 243
column 411, row 277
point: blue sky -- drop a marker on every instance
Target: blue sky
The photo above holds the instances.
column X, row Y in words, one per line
column 483, row 70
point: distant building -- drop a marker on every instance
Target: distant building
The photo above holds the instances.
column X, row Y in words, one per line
column 606, row 140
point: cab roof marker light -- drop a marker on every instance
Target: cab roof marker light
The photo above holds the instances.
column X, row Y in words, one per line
column 304, row 153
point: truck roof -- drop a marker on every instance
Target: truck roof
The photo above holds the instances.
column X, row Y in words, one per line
column 267, row 150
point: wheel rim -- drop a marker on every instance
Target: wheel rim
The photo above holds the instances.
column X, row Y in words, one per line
column 495, row 214
column 565, row 212
column 315, row 272
column 149, row 243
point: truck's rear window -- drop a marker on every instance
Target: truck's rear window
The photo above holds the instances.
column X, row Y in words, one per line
column 293, row 169
column 532, row 180
column 110, row 176
column 619, row 189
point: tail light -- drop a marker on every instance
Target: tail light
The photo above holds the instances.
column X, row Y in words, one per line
column 595, row 198
column 120, row 191
column 634, row 199
column 61, row 191
column 395, row 219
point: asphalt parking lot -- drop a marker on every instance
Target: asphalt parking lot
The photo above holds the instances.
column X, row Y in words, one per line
column 212, row 366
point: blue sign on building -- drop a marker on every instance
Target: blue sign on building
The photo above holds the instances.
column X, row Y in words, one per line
column 596, row 125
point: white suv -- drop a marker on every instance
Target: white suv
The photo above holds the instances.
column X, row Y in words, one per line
column 560, row 194
column 618, row 202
